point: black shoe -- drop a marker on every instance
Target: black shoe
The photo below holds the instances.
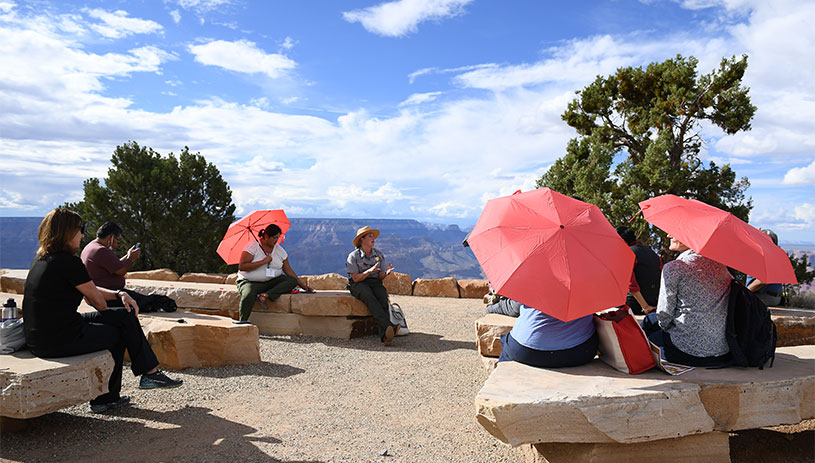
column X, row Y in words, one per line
column 158, row 380
column 102, row 408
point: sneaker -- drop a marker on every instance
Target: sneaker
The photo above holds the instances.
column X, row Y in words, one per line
column 102, row 408
column 158, row 380
column 389, row 334
column 241, row 322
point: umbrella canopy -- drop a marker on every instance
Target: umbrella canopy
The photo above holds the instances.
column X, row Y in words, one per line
column 720, row 236
column 552, row 252
column 245, row 230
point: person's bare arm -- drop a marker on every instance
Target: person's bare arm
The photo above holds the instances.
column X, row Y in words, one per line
column 246, row 264
column 290, row 272
column 98, row 297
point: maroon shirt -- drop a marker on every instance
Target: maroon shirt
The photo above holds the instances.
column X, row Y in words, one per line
column 101, row 263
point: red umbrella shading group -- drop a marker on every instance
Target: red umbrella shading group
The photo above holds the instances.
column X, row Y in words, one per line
column 552, row 252
column 245, row 230
column 721, row 236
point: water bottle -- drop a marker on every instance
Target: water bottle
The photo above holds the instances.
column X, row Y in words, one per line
column 10, row 310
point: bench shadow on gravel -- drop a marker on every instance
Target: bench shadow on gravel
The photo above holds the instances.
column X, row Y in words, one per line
column 267, row 369
column 194, row 434
column 413, row 342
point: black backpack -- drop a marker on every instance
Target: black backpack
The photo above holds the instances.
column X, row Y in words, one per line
column 750, row 331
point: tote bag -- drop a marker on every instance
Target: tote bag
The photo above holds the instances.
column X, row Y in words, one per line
column 398, row 318
column 623, row 344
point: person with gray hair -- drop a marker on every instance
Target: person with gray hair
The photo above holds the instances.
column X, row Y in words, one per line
column 769, row 293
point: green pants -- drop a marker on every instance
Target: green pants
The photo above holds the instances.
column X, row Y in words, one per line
column 273, row 288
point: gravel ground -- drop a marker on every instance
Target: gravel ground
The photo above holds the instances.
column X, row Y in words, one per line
column 323, row 400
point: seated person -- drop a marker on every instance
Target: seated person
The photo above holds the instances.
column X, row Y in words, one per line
column 264, row 272
column 365, row 275
column 505, row 306
column 543, row 341
column 769, row 293
column 108, row 271
column 57, row 282
column 643, row 289
column 691, row 315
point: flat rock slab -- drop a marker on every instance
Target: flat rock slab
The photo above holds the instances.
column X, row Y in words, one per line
column 399, row 283
column 328, row 281
column 796, row 327
column 164, row 274
column 203, row 278
column 13, row 281
column 488, row 332
column 594, row 403
column 293, row 324
column 31, row 386
column 190, row 340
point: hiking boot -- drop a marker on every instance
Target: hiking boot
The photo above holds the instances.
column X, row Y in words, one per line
column 158, row 380
column 389, row 334
column 102, row 408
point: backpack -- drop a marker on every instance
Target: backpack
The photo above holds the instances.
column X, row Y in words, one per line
column 750, row 331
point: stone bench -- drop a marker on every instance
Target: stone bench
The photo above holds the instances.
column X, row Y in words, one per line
column 595, row 413
column 796, row 327
column 199, row 341
column 31, row 386
column 324, row 313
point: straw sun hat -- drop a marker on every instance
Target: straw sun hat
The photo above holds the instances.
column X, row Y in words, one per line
column 364, row 231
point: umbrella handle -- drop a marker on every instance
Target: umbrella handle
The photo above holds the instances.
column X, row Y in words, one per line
column 638, row 213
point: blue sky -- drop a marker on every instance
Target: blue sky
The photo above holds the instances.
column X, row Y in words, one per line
column 418, row 109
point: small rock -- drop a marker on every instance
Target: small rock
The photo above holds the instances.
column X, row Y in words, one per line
column 383, row 453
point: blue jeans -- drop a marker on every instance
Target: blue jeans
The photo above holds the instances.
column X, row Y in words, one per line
column 581, row 354
column 672, row 353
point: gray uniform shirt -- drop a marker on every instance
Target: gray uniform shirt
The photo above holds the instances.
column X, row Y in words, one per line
column 692, row 305
column 358, row 262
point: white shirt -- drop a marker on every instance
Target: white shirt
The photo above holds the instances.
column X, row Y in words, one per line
column 265, row 272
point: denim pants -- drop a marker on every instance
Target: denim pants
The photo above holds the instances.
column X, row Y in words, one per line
column 512, row 350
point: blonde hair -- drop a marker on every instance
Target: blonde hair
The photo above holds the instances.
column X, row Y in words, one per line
column 57, row 230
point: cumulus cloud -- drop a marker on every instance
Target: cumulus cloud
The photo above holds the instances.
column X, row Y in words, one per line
column 801, row 175
column 806, row 213
column 400, row 17
column 241, row 56
column 202, row 5
column 176, row 15
column 117, row 24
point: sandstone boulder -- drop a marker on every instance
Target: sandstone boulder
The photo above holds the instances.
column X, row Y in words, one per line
column 231, row 279
column 328, row 304
column 303, row 325
column 473, row 289
column 328, row 281
column 13, row 281
column 488, row 331
column 441, row 287
column 596, row 404
column 399, row 283
column 203, row 278
column 162, row 274
column 188, row 340
column 31, row 386
column 796, row 327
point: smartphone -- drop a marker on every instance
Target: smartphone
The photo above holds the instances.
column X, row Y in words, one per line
column 138, row 245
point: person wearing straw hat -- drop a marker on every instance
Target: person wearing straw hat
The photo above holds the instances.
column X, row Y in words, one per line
column 365, row 274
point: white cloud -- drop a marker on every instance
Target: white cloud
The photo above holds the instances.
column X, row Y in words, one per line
column 419, row 98
column 801, row 175
column 806, row 213
column 202, row 5
column 241, row 56
column 176, row 15
column 400, row 17
column 118, row 24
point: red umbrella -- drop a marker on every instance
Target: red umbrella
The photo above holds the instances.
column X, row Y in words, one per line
column 552, row 252
column 241, row 232
column 720, row 236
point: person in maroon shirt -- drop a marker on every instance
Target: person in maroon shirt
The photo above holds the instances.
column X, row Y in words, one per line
column 107, row 270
